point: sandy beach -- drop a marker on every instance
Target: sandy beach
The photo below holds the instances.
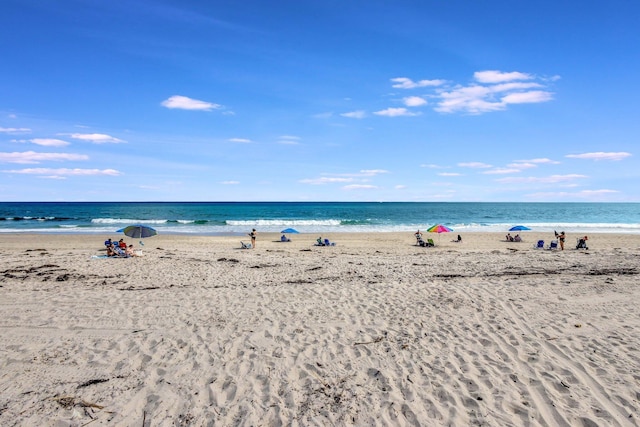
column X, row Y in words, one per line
column 374, row 331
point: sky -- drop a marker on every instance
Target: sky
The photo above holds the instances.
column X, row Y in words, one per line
column 319, row 100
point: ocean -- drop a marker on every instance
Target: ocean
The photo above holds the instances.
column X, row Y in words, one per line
column 220, row 218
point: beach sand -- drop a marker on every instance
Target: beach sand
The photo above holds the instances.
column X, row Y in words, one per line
column 372, row 332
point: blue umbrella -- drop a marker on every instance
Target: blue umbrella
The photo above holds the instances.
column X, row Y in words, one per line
column 138, row 231
column 290, row 230
column 519, row 228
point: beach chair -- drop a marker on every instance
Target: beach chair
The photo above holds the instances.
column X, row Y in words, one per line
column 245, row 245
column 420, row 242
column 539, row 245
column 553, row 245
column 430, row 242
column 328, row 243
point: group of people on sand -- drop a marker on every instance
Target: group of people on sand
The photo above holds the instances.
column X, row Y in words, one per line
column 119, row 249
column 510, row 238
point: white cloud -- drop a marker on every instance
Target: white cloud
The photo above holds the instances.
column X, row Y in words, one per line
column 449, row 174
column 414, row 101
column 27, row 157
column 186, row 103
column 289, row 140
column 521, row 166
column 495, row 76
column 395, row 112
column 240, row 140
column 532, row 97
column 359, row 187
column 65, row 172
column 96, row 138
column 471, row 99
column 553, row 179
column 49, row 142
column 474, row 165
column 406, row 83
column 584, row 194
column 432, row 166
column 400, row 187
column 325, row 180
column 539, row 160
column 372, row 172
column 15, row 130
column 230, row 182
column 359, row 114
column 501, row 171
column 600, row 156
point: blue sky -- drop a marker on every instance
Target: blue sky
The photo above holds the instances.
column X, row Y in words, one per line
column 319, row 100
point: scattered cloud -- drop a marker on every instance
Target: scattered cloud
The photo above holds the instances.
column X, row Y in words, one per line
column 474, row 165
column 372, row 172
column 432, row 166
column 65, row 172
column 325, row 180
column 539, row 161
column 520, row 166
column 491, row 90
column 406, row 83
column 600, row 156
column 240, row 140
column 414, row 101
column 230, row 182
column 532, row 97
column 584, row 194
column 400, row 187
column 14, row 130
column 96, row 138
column 29, row 157
column 359, row 114
column 494, row 76
column 359, row 187
column 553, row 179
column 289, row 140
column 449, row 174
column 49, row 142
column 186, row 103
column 501, row 171
column 395, row 112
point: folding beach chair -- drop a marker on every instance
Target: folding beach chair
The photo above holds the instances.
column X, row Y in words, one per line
column 539, row 245
column 553, row 245
column 245, row 245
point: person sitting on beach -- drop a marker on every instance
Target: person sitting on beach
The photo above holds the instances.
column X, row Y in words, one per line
column 130, row 252
column 517, row 238
column 458, row 240
column 509, row 237
column 111, row 251
column 122, row 244
column 284, row 238
column 320, row 242
column 108, row 243
column 582, row 243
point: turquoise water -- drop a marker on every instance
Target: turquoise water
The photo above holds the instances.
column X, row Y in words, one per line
column 238, row 218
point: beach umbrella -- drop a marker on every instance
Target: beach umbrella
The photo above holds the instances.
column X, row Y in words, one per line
column 439, row 228
column 290, row 230
column 138, row 231
column 519, row 228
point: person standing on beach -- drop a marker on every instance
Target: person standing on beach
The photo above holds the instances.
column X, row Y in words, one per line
column 561, row 238
column 253, row 235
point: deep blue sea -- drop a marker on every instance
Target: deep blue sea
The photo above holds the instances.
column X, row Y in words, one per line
column 199, row 218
